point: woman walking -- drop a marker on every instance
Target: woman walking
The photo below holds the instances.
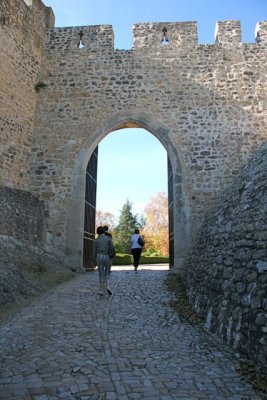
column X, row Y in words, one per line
column 137, row 244
column 102, row 246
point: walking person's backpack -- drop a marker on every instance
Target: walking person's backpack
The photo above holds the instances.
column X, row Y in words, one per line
column 140, row 241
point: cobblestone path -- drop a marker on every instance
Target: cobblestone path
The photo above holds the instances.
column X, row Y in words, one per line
column 73, row 344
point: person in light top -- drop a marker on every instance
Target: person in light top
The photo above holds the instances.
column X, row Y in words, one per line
column 137, row 244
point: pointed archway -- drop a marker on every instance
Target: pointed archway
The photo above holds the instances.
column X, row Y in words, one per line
column 116, row 158
column 179, row 206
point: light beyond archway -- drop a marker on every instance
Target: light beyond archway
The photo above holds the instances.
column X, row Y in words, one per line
column 132, row 164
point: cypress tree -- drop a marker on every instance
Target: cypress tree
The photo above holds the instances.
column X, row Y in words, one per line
column 127, row 224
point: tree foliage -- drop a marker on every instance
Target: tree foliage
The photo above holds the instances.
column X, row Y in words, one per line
column 125, row 228
column 105, row 218
column 153, row 225
column 156, row 228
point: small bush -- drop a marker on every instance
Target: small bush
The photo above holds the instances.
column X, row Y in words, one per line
column 154, row 260
column 153, row 254
column 122, row 259
column 150, row 251
column 39, row 86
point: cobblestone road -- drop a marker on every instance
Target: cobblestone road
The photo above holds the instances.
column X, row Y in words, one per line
column 73, row 344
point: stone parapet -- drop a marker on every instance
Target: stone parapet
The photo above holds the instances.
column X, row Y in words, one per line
column 261, row 32
column 158, row 35
column 83, row 38
column 228, row 32
column 150, row 37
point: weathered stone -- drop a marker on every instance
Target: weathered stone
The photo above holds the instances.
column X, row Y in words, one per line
column 244, row 300
column 261, row 266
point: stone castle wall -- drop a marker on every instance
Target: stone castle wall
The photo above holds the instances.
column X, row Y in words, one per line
column 22, row 30
column 229, row 257
column 205, row 103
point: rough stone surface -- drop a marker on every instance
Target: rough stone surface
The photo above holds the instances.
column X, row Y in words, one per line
column 22, row 29
column 26, row 271
column 72, row 344
column 226, row 269
column 23, row 216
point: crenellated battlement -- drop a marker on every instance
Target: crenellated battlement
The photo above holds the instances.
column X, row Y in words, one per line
column 228, row 32
column 149, row 36
column 156, row 35
column 94, row 37
column 185, row 34
column 261, row 32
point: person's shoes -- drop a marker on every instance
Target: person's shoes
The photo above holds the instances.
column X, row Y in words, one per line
column 100, row 293
column 109, row 291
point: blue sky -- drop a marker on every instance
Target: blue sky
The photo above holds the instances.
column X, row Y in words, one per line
column 122, row 14
column 126, row 169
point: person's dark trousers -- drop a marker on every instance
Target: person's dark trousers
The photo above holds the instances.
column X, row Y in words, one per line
column 136, row 256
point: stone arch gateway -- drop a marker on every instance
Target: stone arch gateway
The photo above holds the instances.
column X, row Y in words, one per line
column 75, row 211
column 206, row 103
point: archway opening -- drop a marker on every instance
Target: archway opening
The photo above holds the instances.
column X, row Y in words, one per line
column 130, row 165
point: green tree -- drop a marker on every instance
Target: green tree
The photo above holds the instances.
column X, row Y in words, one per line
column 142, row 221
column 127, row 224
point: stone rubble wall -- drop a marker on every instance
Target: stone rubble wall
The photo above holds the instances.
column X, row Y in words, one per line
column 212, row 98
column 226, row 269
column 22, row 31
column 23, row 216
column 26, row 271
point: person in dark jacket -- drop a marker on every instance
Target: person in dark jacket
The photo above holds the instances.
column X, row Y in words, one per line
column 105, row 227
column 111, row 256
